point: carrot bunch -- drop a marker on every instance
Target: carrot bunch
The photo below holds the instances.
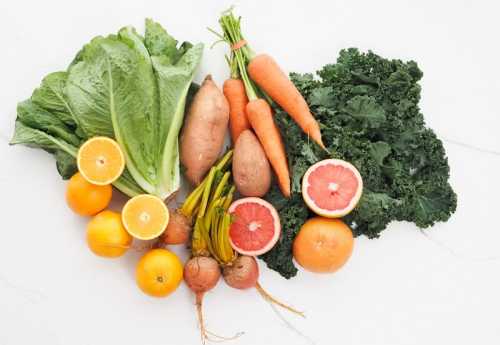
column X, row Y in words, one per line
column 261, row 77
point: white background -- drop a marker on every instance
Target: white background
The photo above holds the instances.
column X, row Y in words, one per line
column 403, row 288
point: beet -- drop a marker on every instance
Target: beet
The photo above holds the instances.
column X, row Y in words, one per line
column 243, row 273
column 178, row 228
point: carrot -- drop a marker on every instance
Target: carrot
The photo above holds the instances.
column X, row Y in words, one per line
column 264, row 70
column 258, row 111
column 234, row 90
column 261, row 119
column 267, row 74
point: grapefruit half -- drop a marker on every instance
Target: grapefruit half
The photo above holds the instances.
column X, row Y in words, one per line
column 255, row 228
column 332, row 188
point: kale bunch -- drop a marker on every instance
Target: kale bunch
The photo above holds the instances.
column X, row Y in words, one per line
column 367, row 107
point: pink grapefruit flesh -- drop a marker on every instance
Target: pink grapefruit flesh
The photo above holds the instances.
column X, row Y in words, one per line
column 332, row 188
column 255, row 228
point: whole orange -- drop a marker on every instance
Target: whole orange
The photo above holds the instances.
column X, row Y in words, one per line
column 323, row 245
column 85, row 198
column 159, row 272
column 106, row 235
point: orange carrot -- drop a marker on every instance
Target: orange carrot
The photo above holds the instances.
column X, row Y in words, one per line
column 264, row 70
column 234, row 90
column 261, row 118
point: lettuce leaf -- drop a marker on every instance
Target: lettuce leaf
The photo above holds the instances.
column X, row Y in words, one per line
column 125, row 86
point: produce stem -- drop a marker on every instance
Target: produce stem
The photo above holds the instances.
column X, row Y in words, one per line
column 271, row 299
column 232, row 34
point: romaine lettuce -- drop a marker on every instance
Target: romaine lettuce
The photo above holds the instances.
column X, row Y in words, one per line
column 125, row 86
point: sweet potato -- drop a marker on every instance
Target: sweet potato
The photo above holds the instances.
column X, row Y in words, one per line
column 203, row 133
column 251, row 169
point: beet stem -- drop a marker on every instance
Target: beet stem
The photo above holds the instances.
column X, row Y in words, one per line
column 271, row 299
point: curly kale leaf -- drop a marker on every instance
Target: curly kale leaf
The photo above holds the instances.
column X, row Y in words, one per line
column 367, row 107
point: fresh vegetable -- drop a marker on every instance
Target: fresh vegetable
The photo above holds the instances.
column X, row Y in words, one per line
column 201, row 274
column 123, row 86
column 368, row 109
column 100, row 160
column 203, row 133
column 251, row 169
column 323, row 245
column 243, row 273
column 234, row 90
column 85, row 198
column 159, row 272
column 261, row 118
column 264, row 70
column 145, row 216
column 258, row 111
column 206, row 206
column 255, row 226
column 332, row 188
column 106, row 235
column 178, row 228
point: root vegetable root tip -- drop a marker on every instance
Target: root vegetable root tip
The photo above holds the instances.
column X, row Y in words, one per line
column 205, row 334
column 273, row 300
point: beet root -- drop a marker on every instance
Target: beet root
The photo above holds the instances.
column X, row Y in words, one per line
column 243, row 273
column 178, row 229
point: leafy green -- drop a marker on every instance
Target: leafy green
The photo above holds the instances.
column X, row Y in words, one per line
column 125, row 86
column 368, row 111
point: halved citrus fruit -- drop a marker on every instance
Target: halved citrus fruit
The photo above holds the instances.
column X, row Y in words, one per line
column 100, row 160
column 332, row 188
column 145, row 216
column 255, row 228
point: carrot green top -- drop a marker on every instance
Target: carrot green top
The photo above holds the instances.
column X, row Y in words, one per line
column 241, row 52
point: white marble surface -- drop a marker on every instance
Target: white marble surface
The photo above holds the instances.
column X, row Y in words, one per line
column 401, row 289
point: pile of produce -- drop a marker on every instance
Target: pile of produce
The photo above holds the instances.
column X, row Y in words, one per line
column 315, row 161
column 367, row 107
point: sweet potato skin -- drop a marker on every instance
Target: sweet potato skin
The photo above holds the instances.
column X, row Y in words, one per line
column 202, row 136
column 251, row 169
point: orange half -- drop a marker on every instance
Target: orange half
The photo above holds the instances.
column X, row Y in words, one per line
column 145, row 216
column 100, row 160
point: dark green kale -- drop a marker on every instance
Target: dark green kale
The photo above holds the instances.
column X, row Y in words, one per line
column 367, row 107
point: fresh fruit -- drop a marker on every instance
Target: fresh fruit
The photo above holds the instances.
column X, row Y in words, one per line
column 106, row 235
column 255, row 228
column 323, row 245
column 332, row 188
column 85, row 198
column 159, row 272
column 145, row 216
column 100, row 160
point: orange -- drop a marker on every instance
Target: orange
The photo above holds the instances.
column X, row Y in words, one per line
column 106, row 235
column 323, row 245
column 145, row 216
column 85, row 198
column 100, row 160
column 159, row 272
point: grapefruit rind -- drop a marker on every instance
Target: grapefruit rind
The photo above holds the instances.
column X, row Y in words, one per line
column 277, row 226
column 334, row 213
column 112, row 178
column 129, row 227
